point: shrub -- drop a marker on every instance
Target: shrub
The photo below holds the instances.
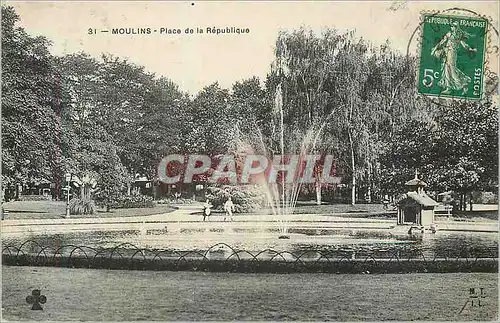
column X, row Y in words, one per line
column 132, row 201
column 172, row 200
column 35, row 198
column 488, row 198
column 246, row 198
column 81, row 206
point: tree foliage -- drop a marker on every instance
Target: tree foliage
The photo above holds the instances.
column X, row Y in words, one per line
column 30, row 129
column 341, row 95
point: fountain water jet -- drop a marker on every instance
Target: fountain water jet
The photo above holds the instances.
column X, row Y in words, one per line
column 281, row 198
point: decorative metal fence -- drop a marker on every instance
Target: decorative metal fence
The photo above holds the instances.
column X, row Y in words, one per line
column 224, row 258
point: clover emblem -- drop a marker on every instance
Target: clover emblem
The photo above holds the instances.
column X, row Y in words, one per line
column 36, row 299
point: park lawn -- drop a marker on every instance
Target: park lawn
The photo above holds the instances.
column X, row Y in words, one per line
column 377, row 210
column 468, row 215
column 328, row 209
column 56, row 209
column 373, row 211
column 117, row 295
column 341, row 210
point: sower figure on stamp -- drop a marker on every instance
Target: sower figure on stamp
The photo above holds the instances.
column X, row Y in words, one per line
column 451, row 77
column 229, row 209
column 207, row 209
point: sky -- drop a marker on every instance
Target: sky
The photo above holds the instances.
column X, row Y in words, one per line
column 194, row 61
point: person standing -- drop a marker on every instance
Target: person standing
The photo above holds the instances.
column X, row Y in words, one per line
column 229, row 209
column 207, row 209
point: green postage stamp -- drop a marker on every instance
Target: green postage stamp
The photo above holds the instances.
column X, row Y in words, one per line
column 452, row 56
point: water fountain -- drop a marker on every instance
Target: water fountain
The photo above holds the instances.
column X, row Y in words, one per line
column 281, row 197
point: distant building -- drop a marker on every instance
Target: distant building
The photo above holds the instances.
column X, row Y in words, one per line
column 416, row 207
column 142, row 185
column 30, row 191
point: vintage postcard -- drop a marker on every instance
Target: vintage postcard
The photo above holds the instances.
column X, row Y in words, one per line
column 249, row 161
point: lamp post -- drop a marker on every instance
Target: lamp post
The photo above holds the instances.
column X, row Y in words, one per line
column 68, row 188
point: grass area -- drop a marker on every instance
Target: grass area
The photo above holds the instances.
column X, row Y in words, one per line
column 467, row 215
column 376, row 210
column 116, row 295
column 304, row 207
column 343, row 210
column 56, row 209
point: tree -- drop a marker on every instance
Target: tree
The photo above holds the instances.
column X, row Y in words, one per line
column 209, row 126
column 30, row 130
column 466, row 142
column 157, row 130
column 299, row 78
column 345, row 97
column 89, row 139
column 456, row 150
column 111, row 182
column 248, row 107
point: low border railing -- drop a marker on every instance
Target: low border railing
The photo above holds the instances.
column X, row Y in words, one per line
column 225, row 258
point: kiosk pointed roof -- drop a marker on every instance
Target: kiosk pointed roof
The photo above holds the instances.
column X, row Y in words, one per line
column 416, row 181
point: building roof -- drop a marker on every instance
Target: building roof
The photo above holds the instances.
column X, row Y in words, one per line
column 416, row 182
column 422, row 199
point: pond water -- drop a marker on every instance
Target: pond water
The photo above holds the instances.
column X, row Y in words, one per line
column 311, row 244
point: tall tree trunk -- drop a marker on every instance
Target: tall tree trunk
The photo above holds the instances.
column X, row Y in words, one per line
column 318, row 192
column 353, row 190
column 470, row 201
column 353, row 166
column 129, row 183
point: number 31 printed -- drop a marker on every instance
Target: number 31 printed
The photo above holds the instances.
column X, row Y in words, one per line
column 429, row 76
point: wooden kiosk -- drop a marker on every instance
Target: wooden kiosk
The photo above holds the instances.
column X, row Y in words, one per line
column 416, row 207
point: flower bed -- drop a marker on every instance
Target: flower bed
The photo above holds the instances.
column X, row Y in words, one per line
column 133, row 201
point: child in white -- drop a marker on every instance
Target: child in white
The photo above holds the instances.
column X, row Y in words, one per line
column 207, row 209
column 229, row 208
